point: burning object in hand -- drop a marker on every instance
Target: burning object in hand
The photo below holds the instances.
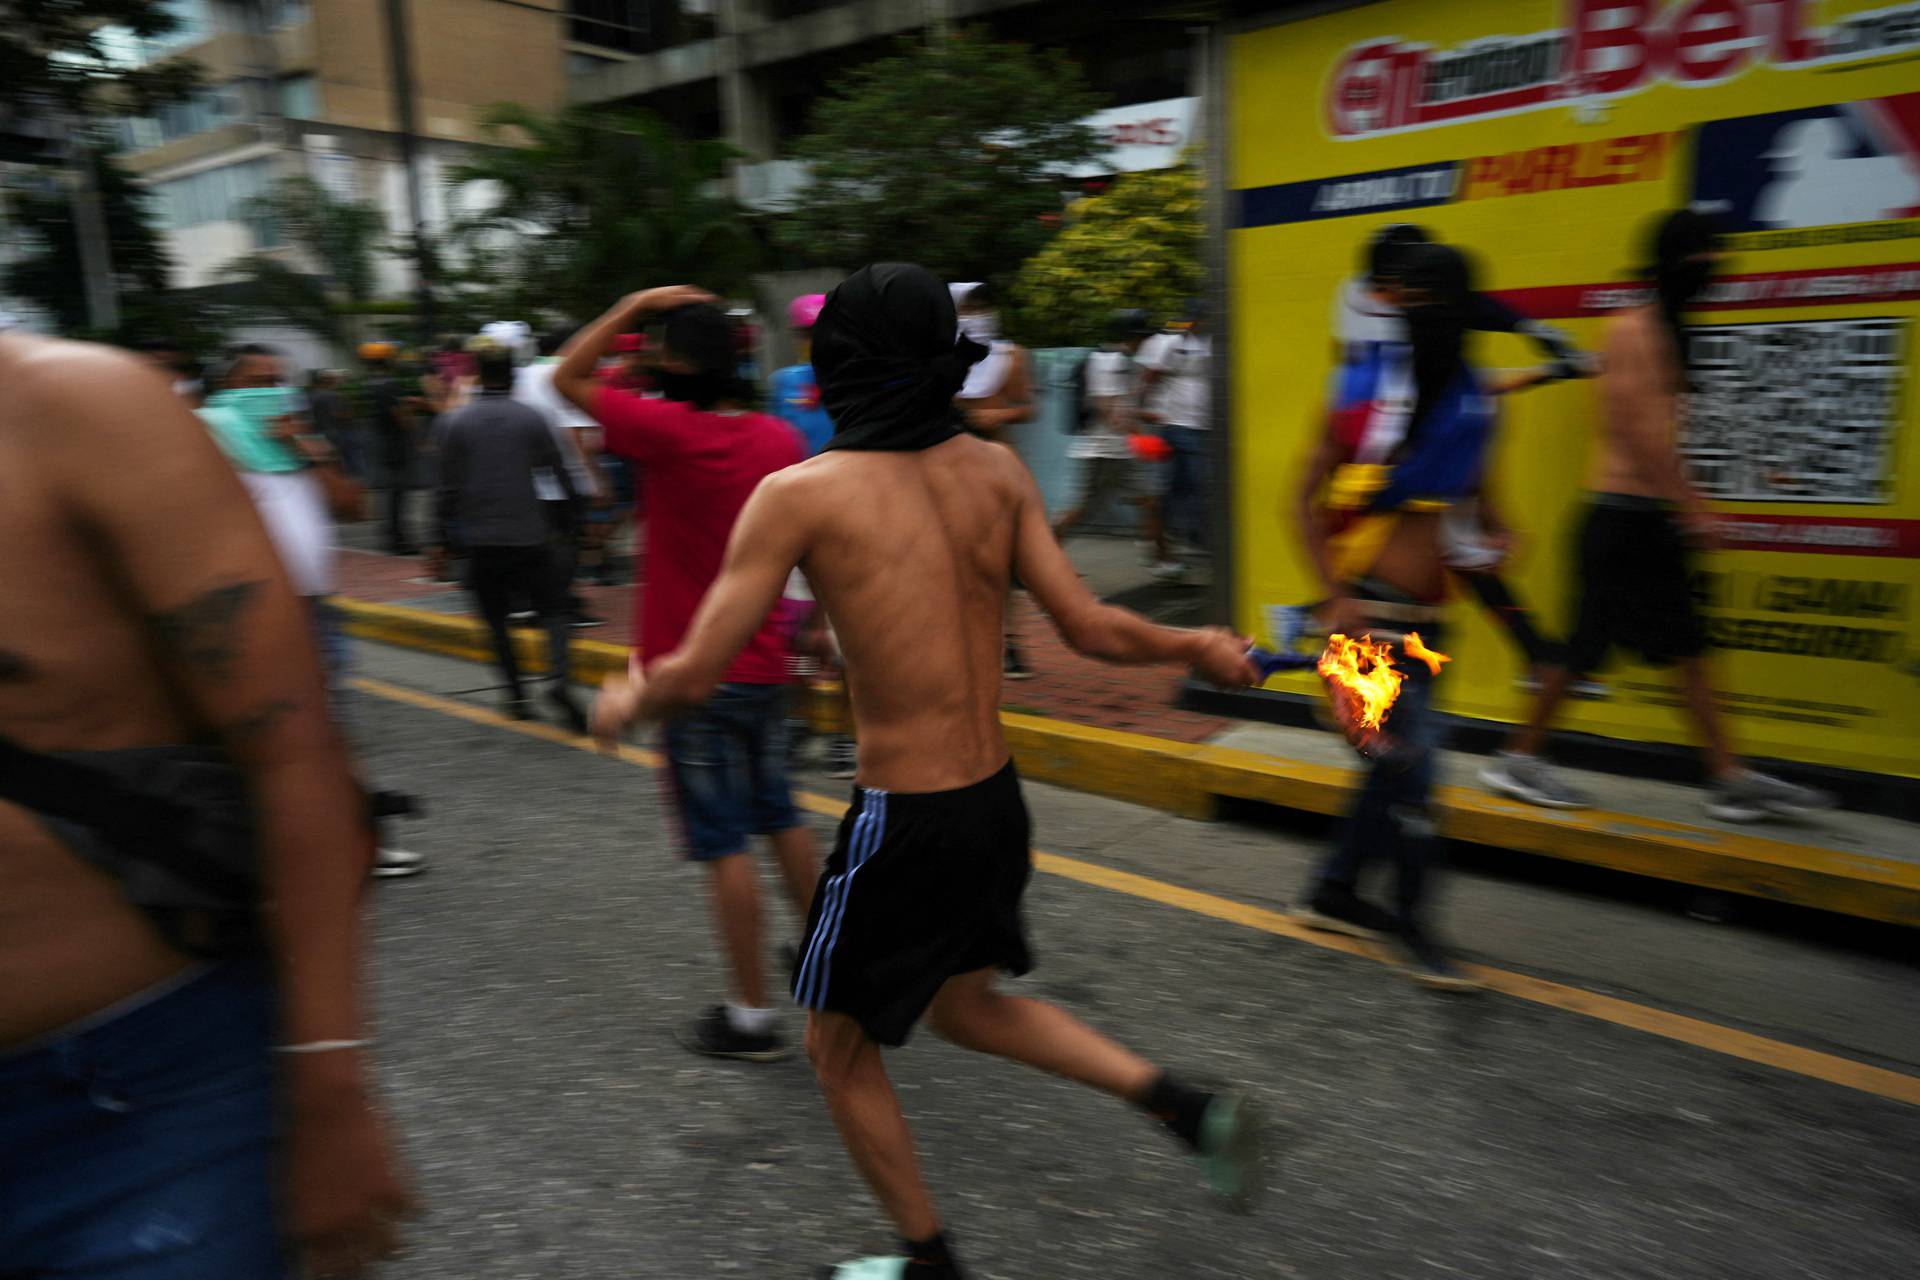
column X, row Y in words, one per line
column 1363, row 684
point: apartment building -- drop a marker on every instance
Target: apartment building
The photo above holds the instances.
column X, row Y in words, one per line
column 307, row 87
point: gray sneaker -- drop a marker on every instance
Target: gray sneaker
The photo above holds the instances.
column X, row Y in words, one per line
column 1533, row 780
column 1750, row 795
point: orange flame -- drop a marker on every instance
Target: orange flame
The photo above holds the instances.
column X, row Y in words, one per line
column 1364, row 671
column 1416, row 649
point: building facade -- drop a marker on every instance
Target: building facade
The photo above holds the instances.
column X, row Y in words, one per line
column 306, row 87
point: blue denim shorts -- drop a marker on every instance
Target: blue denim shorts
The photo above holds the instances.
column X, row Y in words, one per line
column 727, row 764
column 140, row 1145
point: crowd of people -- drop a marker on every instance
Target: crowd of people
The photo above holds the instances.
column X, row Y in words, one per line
column 186, row 833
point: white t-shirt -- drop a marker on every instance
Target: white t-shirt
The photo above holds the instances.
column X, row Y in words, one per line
column 1359, row 318
column 533, row 385
column 1109, row 373
column 1184, row 394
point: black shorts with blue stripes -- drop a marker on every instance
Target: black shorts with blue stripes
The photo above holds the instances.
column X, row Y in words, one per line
column 921, row 887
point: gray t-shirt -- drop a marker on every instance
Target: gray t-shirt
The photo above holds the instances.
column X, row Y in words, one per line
column 490, row 452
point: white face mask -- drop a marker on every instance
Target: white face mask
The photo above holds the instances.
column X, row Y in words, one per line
column 982, row 326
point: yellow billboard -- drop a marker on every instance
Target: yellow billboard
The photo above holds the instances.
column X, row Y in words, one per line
column 1542, row 136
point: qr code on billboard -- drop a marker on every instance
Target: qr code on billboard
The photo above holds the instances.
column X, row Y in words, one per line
column 1803, row 410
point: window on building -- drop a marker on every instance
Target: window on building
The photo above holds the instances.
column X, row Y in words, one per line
column 225, row 194
column 300, row 97
column 640, row 26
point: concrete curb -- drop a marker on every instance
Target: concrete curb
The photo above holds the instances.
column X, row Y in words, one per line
column 1189, row 779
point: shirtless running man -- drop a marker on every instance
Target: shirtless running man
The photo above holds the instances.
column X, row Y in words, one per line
column 1644, row 525
column 150, row 640
column 909, row 530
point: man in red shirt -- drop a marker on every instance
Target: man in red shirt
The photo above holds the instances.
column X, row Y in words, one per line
column 701, row 453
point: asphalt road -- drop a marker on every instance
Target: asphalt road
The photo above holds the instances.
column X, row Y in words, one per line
column 528, row 986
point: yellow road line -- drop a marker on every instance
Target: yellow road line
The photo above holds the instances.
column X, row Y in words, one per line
column 1711, row 1036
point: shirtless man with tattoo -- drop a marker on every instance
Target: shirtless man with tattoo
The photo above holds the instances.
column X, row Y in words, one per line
column 182, row 852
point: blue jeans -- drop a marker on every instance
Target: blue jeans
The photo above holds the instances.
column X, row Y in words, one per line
column 1188, row 473
column 1393, row 814
column 141, row 1147
column 728, row 764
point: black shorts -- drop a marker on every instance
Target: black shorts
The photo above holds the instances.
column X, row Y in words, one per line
column 920, row 887
column 1632, row 584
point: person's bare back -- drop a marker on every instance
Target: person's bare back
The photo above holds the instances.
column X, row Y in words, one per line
column 911, row 555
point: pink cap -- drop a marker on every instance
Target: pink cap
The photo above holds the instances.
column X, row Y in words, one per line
column 804, row 310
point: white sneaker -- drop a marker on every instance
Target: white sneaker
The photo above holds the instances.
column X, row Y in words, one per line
column 391, row 864
column 1533, row 780
column 1751, row 795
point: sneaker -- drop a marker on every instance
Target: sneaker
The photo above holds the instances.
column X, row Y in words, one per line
column 869, row 1269
column 1229, row 1150
column 843, row 758
column 1749, row 796
column 1013, row 666
column 582, row 621
column 1533, row 780
column 1343, row 911
column 391, row 864
column 714, row 1035
column 1168, row 571
column 522, row 618
column 1427, row 963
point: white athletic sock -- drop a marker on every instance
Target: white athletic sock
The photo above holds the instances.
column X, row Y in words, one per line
column 748, row 1021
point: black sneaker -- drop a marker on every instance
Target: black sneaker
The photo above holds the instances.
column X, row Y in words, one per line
column 583, row 620
column 713, row 1034
column 1428, row 964
column 1343, row 911
column 1013, row 666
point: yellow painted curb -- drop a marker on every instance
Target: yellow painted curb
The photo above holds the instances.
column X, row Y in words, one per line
column 1189, row 779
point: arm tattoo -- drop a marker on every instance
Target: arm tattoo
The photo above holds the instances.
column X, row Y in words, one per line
column 204, row 633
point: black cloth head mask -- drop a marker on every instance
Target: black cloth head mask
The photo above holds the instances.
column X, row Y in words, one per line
column 1679, row 274
column 889, row 359
column 1437, row 324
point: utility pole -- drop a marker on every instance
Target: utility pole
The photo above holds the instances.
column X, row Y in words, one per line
column 400, row 61
column 90, row 232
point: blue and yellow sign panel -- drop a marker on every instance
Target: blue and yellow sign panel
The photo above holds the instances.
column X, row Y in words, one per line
column 1543, row 136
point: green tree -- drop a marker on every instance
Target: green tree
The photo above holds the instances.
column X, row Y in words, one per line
column 338, row 243
column 949, row 155
column 66, row 60
column 49, row 274
column 579, row 207
column 1137, row 244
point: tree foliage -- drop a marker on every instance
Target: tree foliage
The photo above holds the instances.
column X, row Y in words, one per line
column 1138, row 244
column 49, row 274
column 338, row 243
column 579, row 207
column 949, row 155
column 62, row 60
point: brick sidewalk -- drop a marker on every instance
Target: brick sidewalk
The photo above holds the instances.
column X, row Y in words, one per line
column 1065, row 685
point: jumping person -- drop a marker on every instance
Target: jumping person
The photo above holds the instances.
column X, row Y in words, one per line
column 1407, row 439
column 911, row 531
column 1645, row 522
column 700, row 452
column 182, row 854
